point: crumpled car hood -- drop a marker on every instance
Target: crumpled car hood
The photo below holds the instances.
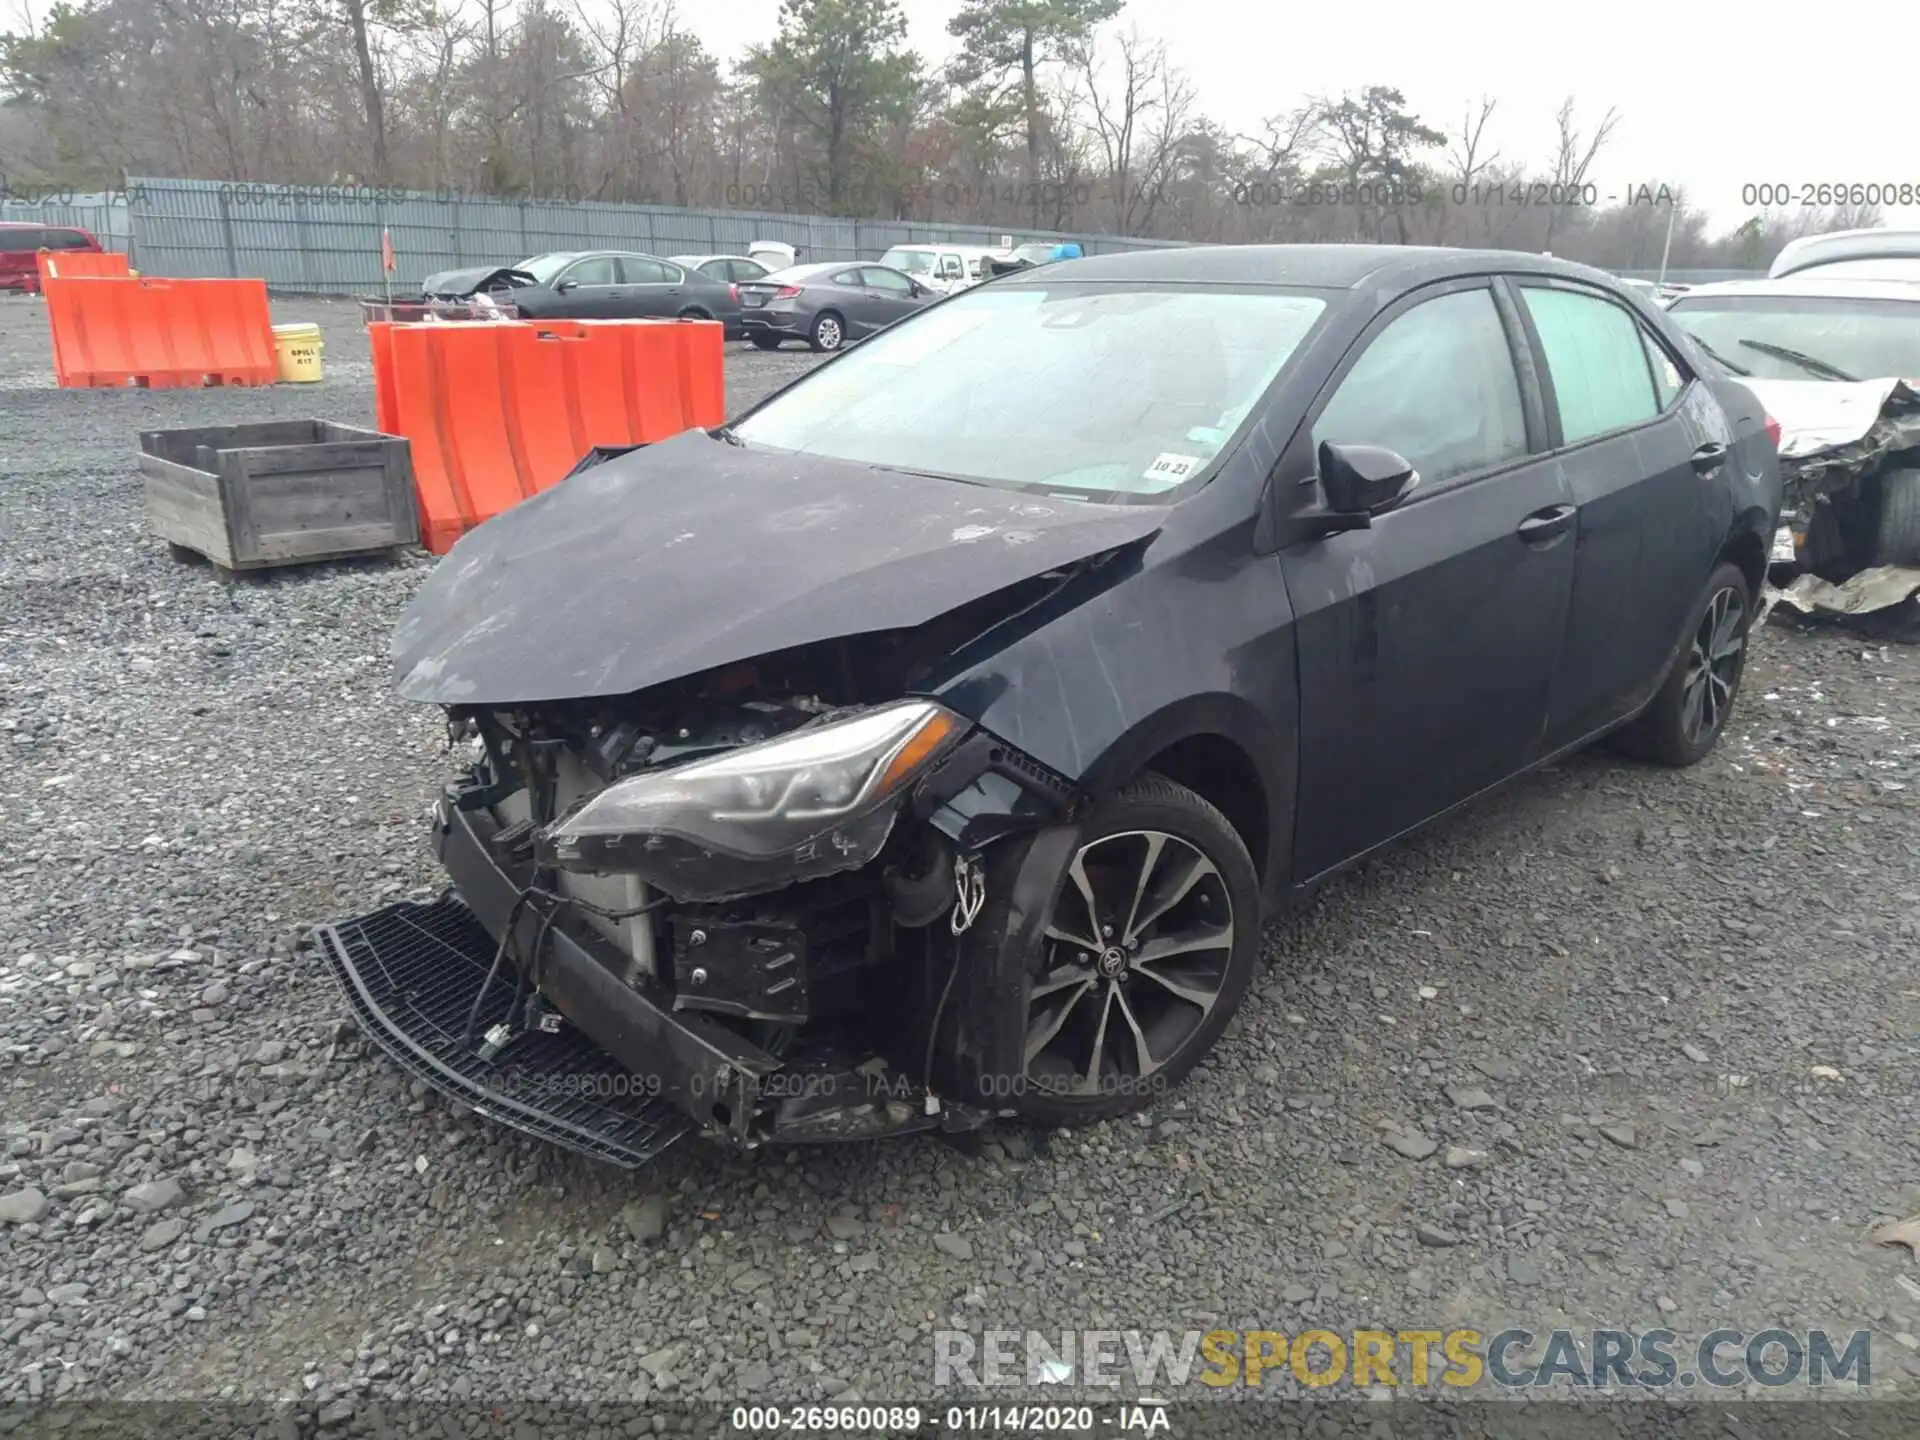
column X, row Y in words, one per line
column 1834, row 432
column 696, row 553
column 1819, row 415
column 460, row 284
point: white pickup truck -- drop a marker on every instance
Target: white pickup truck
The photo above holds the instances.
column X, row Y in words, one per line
column 941, row 267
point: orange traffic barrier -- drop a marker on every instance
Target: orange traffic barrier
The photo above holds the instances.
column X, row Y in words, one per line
column 80, row 264
column 75, row 264
column 160, row 334
column 497, row 411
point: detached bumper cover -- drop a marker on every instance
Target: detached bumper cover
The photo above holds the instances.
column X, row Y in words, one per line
column 410, row 974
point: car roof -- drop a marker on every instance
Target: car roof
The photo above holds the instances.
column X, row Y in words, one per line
column 590, row 254
column 1836, row 246
column 1808, row 287
column 703, row 259
column 819, row 267
column 1332, row 267
column 40, row 225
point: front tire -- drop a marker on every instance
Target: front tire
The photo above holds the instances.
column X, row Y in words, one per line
column 1147, row 953
column 1896, row 530
column 1690, row 711
column 829, row 332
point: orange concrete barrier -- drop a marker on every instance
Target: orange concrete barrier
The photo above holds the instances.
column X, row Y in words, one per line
column 498, row 411
column 160, row 334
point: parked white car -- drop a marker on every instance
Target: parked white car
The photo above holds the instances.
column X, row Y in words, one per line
column 1851, row 255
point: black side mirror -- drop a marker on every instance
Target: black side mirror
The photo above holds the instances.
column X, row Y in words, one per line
column 565, row 285
column 1364, row 479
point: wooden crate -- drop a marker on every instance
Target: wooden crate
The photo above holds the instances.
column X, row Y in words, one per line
column 278, row 493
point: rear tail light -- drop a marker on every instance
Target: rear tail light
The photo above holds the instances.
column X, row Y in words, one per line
column 734, row 290
column 787, row 292
column 1773, row 431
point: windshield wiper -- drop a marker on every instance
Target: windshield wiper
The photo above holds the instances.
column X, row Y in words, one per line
column 1805, row 361
column 932, row 474
column 1721, row 359
column 725, row 432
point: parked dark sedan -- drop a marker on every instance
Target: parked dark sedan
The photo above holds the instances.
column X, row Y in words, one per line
column 933, row 741
column 596, row 285
column 829, row 304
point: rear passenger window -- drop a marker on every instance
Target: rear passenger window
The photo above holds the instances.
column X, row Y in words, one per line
column 1668, row 382
column 1437, row 386
column 1597, row 356
column 597, row 271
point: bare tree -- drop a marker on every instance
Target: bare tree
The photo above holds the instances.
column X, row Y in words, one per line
column 1138, row 117
column 1468, row 159
column 1573, row 156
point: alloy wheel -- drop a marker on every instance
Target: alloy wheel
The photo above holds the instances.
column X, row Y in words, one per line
column 1713, row 666
column 827, row 332
column 1136, row 956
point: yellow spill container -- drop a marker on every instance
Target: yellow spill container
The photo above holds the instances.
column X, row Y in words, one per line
column 298, row 349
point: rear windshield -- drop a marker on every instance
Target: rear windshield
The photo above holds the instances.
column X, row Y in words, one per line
column 1101, row 392
column 1807, row 337
column 32, row 240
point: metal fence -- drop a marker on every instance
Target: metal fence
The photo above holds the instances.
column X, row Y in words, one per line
column 313, row 240
column 327, row 242
column 1692, row 277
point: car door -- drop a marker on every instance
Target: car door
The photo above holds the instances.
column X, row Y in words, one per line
column 586, row 290
column 846, row 292
column 1641, row 442
column 1427, row 643
column 650, row 287
column 891, row 294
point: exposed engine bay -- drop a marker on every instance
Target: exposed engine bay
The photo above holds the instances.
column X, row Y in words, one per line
column 783, row 849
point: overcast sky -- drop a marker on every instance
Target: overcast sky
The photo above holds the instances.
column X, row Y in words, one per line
column 1706, row 92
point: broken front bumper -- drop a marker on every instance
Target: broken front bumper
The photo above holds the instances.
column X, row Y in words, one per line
column 410, row 974
column 627, row 1075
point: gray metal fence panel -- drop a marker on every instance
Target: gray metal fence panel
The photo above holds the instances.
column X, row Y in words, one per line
column 322, row 241
column 303, row 240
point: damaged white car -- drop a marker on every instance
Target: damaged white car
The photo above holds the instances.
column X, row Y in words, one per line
column 1837, row 364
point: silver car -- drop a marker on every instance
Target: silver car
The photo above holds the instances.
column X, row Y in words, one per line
column 829, row 304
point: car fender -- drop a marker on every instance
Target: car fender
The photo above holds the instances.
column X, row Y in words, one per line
column 1200, row 644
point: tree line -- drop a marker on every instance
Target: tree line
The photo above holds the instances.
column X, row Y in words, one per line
column 1052, row 115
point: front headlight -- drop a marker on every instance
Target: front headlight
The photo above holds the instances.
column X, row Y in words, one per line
column 810, row 803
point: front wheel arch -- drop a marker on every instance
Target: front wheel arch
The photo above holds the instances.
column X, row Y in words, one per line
column 1205, row 738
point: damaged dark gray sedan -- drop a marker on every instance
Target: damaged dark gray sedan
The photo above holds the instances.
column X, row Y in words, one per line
column 931, row 743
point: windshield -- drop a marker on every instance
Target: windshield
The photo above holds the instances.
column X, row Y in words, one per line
column 544, row 267
column 1807, row 337
column 1091, row 391
column 914, row 262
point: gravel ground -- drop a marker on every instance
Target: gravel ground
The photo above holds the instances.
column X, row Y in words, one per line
column 210, row 1187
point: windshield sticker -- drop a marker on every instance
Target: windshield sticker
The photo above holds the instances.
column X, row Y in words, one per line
column 1169, row 470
